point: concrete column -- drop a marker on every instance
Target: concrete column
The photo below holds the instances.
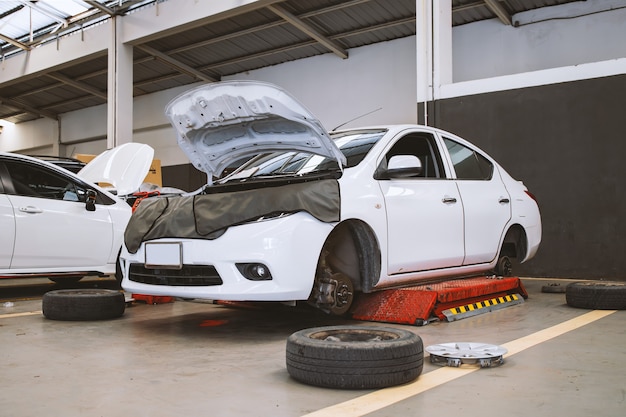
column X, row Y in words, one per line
column 120, row 89
column 434, row 52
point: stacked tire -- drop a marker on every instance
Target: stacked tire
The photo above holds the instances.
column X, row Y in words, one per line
column 354, row 357
column 83, row 304
column 597, row 295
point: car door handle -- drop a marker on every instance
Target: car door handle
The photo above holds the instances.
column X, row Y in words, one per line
column 448, row 200
column 30, row 209
column 504, row 200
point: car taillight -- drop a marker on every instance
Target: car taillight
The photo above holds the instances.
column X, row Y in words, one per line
column 531, row 195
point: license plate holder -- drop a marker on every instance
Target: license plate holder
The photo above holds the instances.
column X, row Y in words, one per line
column 164, row 255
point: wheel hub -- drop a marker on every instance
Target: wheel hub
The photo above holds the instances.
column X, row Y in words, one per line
column 334, row 294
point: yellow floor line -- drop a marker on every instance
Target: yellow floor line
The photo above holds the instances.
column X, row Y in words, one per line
column 383, row 398
column 29, row 313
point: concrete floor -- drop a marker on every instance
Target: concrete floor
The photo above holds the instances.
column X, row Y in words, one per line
column 201, row 359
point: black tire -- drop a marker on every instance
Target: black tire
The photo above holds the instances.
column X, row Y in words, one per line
column 354, row 357
column 83, row 304
column 65, row 280
column 554, row 288
column 504, row 267
column 601, row 295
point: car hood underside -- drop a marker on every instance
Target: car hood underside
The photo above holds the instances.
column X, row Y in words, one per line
column 220, row 123
column 207, row 216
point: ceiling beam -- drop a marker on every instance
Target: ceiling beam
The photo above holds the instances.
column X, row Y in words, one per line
column 184, row 68
column 71, row 23
column 15, row 42
column 77, row 84
column 71, row 101
column 101, row 7
column 269, row 52
column 309, row 30
column 497, row 9
column 27, row 109
column 52, row 13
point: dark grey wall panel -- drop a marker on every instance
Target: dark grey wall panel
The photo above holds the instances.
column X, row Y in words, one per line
column 567, row 143
column 186, row 177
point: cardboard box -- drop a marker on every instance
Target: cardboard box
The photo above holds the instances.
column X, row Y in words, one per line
column 154, row 175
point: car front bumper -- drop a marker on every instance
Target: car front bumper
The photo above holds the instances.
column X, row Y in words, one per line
column 288, row 246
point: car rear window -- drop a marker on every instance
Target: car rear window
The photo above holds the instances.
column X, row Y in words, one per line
column 468, row 164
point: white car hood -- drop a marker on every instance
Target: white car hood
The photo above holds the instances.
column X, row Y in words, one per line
column 125, row 167
column 220, row 123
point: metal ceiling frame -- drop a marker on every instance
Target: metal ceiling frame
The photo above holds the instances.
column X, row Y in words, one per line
column 497, row 9
column 286, row 16
column 204, row 73
column 98, row 10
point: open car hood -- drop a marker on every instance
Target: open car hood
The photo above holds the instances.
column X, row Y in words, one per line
column 125, row 167
column 220, row 123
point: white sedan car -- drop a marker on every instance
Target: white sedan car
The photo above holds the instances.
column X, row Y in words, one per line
column 61, row 225
column 292, row 212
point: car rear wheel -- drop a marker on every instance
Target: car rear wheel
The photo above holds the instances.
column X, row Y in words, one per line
column 504, row 267
column 354, row 357
column 83, row 304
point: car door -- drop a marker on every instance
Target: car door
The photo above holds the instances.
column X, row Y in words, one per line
column 53, row 228
column 424, row 213
column 7, row 225
column 486, row 202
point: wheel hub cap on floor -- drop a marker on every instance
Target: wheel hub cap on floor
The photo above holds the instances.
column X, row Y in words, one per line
column 455, row 354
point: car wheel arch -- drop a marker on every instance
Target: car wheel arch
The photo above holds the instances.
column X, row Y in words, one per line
column 515, row 242
column 514, row 246
column 359, row 238
column 351, row 252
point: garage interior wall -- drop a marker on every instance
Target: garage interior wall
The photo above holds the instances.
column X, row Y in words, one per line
column 549, row 110
column 542, row 98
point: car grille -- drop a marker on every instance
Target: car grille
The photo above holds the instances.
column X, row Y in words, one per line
column 189, row 275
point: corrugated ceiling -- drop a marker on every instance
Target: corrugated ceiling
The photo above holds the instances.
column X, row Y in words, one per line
column 276, row 34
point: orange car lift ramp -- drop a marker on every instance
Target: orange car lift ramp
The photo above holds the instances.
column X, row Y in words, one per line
column 446, row 300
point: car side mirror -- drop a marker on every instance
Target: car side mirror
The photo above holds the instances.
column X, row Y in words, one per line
column 402, row 166
column 90, row 203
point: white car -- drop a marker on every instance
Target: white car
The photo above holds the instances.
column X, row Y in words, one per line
column 61, row 225
column 317, row 216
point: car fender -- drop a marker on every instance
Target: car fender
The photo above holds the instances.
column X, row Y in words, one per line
column 524, row 212
column 119, row 213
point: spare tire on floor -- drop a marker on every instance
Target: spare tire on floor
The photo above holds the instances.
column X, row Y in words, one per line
column 554, row 288
column 83, row 304
column 354, row 357
column 597, row 295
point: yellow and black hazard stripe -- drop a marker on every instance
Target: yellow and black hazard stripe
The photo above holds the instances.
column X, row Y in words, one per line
column 467, row 310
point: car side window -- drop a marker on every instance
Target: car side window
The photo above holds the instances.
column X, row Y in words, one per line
column 31, row 181
column 468, row 164
column 4, row 178
column 424, row 147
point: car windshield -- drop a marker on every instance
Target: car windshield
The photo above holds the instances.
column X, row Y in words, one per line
column 354, row 144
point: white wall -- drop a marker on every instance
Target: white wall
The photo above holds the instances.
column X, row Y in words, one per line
column 334, row 89
column 567, row 35
column 37, row 137
column 337, row 90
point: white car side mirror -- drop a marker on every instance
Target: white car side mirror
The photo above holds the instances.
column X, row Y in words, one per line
column 404, row 166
